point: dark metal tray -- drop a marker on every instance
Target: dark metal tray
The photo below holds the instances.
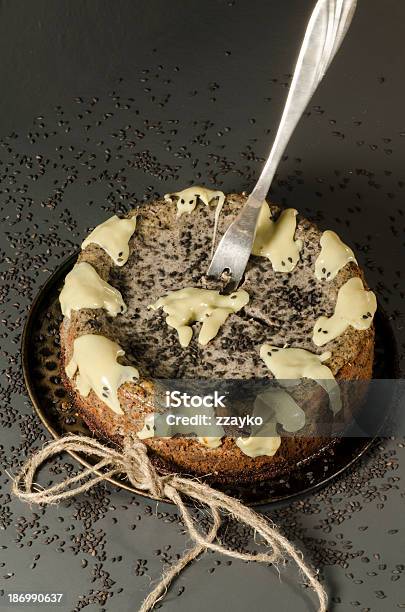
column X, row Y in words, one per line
column 40, row 360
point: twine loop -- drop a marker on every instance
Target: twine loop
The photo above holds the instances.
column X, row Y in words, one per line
column 134, row 462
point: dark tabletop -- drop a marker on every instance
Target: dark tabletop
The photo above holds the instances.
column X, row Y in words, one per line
column 106, row 104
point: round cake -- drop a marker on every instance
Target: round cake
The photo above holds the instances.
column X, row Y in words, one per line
column 303, row 310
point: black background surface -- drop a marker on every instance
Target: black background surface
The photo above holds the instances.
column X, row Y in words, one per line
column 105, row 104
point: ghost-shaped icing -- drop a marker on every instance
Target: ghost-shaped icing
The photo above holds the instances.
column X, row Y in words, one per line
column 292, row 364
column 95, row 361
column 186, row 200
column 113, row 236
column 334, row 255
column 272, row 406
column 275, row 239
column 355, row 307
column 156, row 425
column 191, row 304
column 84, row 288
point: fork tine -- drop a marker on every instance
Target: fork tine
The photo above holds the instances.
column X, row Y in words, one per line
column 224, row 256
column 235, row 246
column 227, row 257
column 239, row 268
column 218, row 265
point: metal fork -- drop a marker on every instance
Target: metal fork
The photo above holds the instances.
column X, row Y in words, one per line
column 326, row 29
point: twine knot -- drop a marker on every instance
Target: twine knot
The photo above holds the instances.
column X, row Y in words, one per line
column 140, row 471
column 134, row 462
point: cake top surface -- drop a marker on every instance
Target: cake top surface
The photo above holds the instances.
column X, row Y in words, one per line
column 169, row 252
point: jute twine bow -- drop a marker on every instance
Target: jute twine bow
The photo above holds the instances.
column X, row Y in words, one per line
column 134, row 462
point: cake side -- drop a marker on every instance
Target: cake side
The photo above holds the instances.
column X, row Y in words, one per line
column 226, row 464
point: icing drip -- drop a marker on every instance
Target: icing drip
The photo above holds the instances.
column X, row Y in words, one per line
column 113, row 236
column 189, row 305
column 355, row 307
column 95, row 361
column 275, row 239
column 84, row 288
column 333, row 257
column 148, row 429
column 273, row 406
column 168, row 431
column 210, row 441
column 257, row 446
column 187, row 201
column 290, row 364
column 285, row 409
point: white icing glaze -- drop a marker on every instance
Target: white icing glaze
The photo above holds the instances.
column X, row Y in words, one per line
column 210, row 441
column 292, row 364
column 95, row 361
column 355, row 307
column 187, row 201
column 168, row 431
column 334, row 255
column 295, row 363
column 257, row 446
column 84, row 288
column 275, row 239
column 187, row 198
column 282, row 405
column 148, row 429
column 273, row 406
column 189, row 305
column 113, row 236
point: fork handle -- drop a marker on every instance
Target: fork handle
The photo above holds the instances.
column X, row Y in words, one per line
column 326, row 29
